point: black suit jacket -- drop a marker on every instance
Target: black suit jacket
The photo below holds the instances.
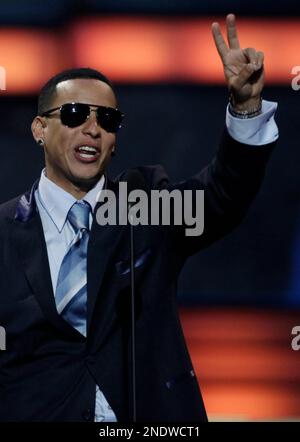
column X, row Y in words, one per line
column 49, row 370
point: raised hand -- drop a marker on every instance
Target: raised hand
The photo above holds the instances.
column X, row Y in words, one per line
column 243, row 68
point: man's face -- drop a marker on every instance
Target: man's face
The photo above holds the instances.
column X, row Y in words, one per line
column 64, row 163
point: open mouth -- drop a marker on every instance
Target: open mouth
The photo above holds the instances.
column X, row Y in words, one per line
column 86, row 154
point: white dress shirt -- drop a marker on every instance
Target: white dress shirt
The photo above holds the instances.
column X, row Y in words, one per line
column 53, row 204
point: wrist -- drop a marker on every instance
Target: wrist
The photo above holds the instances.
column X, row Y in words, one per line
column 249, row 105
column 248, row 109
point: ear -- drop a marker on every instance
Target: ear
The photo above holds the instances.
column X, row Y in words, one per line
column 37, row 128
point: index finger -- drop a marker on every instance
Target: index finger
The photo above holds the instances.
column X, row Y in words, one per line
column 219, row 40
column 232, row 36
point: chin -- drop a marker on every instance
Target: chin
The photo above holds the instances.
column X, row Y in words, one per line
column 86, row 181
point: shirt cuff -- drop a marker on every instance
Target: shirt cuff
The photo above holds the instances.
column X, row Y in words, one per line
column 255, row 131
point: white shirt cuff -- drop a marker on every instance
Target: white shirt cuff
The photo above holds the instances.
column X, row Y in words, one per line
column 255, row 131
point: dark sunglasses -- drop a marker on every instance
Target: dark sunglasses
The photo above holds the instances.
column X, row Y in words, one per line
column 75, row 114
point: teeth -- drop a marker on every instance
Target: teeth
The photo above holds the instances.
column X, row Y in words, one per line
column 86, row 155
column 88, row 148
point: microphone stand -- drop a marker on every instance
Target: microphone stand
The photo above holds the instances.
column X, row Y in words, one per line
column 133, row 345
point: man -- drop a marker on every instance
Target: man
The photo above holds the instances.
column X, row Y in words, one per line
column 65, row 282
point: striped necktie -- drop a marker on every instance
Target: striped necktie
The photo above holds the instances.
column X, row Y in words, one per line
column 71, row 289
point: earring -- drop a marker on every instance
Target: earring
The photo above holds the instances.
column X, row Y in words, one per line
column 41, row 142
column 113, row 153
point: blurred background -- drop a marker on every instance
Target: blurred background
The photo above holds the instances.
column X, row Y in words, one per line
column 240, row 298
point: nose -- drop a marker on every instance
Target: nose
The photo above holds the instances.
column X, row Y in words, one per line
column 91, row 126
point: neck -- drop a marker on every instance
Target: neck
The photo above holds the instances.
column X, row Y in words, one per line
column 78, row 189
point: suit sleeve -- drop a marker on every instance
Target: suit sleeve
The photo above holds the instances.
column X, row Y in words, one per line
column 230, row 183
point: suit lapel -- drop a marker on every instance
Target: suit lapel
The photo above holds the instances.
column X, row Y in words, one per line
column 102, row 247
column 28, row 239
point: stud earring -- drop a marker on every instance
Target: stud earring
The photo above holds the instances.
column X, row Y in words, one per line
column 41, row 142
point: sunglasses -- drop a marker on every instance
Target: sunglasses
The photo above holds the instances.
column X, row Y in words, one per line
column 75, row 114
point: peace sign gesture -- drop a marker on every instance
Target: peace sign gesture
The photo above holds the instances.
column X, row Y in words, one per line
column 243, row 68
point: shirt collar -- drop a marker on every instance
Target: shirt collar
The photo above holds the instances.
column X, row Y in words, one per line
column 57, row 202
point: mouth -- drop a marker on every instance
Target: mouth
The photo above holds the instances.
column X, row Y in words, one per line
column 86, row 153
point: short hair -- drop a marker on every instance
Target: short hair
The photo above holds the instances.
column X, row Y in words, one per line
column 48, row 90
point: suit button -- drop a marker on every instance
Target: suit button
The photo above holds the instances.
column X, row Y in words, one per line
column 87, row 415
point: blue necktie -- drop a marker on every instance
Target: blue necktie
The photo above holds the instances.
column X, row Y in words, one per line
column 71, row 289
